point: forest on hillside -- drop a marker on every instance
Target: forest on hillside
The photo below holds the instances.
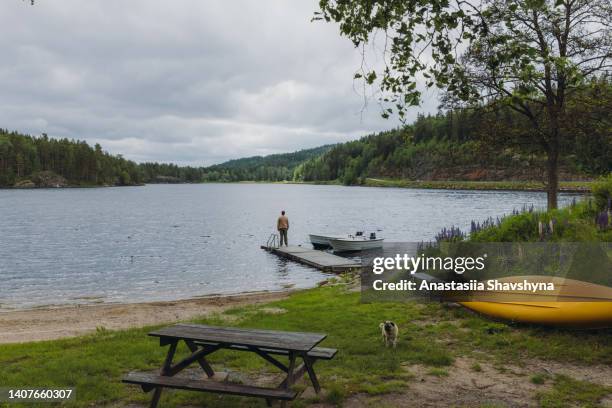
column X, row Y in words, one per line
column 478, row 143
column 27, row 161
column 273, row 167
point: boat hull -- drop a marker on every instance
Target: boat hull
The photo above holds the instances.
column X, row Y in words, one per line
column 321, row 241
column 351, row 245
column 574, row 303
column 562, row 314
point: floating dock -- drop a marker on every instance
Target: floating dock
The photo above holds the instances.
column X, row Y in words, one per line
column 322, row 260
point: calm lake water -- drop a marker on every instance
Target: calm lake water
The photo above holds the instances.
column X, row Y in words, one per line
column 168, row 242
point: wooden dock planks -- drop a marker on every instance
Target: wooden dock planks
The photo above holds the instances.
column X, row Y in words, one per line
column 322, row 260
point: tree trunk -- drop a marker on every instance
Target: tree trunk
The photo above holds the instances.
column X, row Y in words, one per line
column 552, row 186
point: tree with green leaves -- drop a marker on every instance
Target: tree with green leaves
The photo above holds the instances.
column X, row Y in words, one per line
column 528, row 55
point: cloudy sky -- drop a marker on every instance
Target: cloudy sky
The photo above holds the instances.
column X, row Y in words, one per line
column 191, row 82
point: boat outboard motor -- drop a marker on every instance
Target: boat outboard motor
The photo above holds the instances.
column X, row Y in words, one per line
column 372, row 235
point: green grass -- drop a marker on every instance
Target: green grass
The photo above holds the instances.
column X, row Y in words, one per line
column 582, row 186
column 568, row 392
column 539, row 379
column 438, row 372
column 574, row 223
column 430, row 335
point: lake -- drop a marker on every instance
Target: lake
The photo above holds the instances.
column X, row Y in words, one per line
column 168, row 242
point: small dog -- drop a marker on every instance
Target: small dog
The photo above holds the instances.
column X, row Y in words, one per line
column 390, row 333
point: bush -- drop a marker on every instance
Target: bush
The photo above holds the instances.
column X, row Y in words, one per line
column 7, row 178
column 521, row 227
column 571, row 224
column 602, row 192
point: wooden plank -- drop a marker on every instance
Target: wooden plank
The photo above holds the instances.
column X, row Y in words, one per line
column 202, row 361
column 322, row 260
column 208, row 386
column 186, row 362
column 319, row 353
column 322, row 353
column 281, row 340
column 269, row 358
column 318, row 257
column 311, row 373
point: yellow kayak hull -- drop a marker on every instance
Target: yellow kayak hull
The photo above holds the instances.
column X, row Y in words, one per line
column 573, row 304
column 561, row 314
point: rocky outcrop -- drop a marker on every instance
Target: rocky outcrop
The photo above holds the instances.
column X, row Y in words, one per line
column 25, row 184
column 49, row 179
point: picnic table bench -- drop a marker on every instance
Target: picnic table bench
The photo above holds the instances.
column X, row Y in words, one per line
column 204, row 340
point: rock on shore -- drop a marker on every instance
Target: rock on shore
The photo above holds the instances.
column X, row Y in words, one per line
column 43, row 179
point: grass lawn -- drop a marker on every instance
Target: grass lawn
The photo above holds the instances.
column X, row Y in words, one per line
column 431, row 335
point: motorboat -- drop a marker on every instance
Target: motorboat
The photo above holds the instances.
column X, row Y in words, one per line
column 356, row 243
column 324, row 240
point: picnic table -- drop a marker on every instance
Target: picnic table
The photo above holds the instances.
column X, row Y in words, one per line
column 204, row 340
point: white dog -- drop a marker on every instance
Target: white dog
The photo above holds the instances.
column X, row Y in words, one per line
column 390, row 333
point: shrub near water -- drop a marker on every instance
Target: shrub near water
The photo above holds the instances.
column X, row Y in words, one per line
column 602, row 192
column 575, row 223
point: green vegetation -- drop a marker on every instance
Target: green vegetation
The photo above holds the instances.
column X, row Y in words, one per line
column 584, row 221
column 274, row 167
column 539, row 379
column 569, row 392
column 463, row 145
column 573, row 186
column 27, row 161
column 589, row 220
column 438, row 372
column 431, row 335
column 602, row 192
column 48, row 162
column 539, row 60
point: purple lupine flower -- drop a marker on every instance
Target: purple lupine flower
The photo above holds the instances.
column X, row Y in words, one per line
column 451, row 234
column 602, row 220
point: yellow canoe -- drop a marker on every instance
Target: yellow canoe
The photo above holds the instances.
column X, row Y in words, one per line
column 573, row 303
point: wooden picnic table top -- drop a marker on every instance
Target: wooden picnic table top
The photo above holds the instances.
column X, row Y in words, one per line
column 272, row 339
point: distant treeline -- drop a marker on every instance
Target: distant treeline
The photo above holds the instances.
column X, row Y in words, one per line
column 28, row 161
column 274, row 167
column 25, row 158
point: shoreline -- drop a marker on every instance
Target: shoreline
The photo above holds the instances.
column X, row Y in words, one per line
column 69, row 187
column 535, row 186
column 467, row 185
column 579, row 187
column 56, row 322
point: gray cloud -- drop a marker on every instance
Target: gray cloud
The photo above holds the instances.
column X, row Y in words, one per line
column 185, row 81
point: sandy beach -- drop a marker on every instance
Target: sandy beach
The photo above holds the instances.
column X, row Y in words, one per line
column 50, row 323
